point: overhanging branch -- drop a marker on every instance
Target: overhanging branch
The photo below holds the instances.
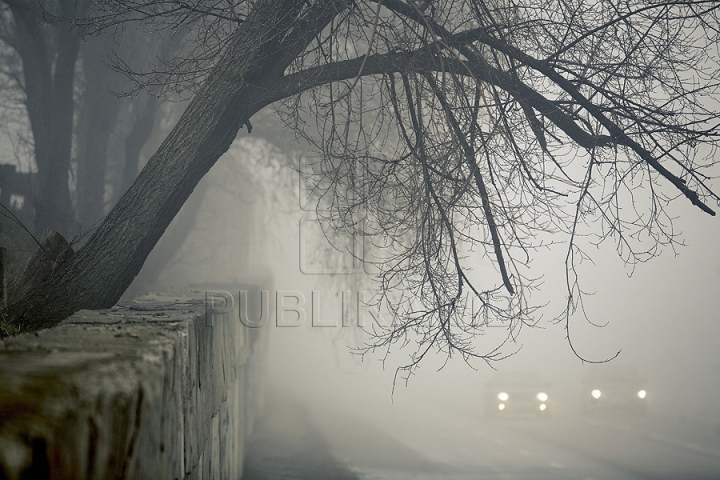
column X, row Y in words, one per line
column 420, row 61
column 617, row 134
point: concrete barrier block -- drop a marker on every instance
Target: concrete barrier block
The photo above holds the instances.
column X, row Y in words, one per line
column 144, row 390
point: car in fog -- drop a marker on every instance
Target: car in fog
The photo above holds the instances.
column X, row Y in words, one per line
column 613, row 389
column 518, row 394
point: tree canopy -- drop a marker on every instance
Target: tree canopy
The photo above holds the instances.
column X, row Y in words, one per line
column 450, row 132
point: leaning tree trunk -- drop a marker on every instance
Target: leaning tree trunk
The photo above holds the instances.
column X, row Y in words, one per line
column 238, row 86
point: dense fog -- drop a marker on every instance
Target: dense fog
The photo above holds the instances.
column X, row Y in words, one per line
column 250, row 228
column 627, row 387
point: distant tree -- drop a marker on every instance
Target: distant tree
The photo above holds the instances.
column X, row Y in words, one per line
column 70, row 95
column 48, row 55
column 114, row 122
column 97, row 119
column 451, row 131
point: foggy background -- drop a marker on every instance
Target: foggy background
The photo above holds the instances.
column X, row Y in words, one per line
column 246, row 223
column 249, row 222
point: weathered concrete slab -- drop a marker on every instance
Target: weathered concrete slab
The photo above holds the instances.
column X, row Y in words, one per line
column 148, row 389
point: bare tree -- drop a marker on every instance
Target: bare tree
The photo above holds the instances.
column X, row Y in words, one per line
column 451, row 132
column 48, row 72
column 97, row 118
column 114, row 122
column 72, row 104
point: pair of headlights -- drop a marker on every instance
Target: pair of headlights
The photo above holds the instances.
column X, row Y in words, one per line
column 503, row 396
column 542, row 407
column 597, row 394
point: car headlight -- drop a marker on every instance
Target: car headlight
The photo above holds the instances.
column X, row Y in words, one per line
column 542, row 396
column 503, row 396
column 642, row 393
column 596, row 394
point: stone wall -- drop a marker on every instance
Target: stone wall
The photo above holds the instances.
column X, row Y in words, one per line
column 151, row 389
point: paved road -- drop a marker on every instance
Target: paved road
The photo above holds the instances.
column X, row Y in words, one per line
column 286, row 445
column 429, row 443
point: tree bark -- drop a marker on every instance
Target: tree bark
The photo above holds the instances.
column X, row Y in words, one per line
column 259, row 51
column 171, row 243
column 52, row 252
